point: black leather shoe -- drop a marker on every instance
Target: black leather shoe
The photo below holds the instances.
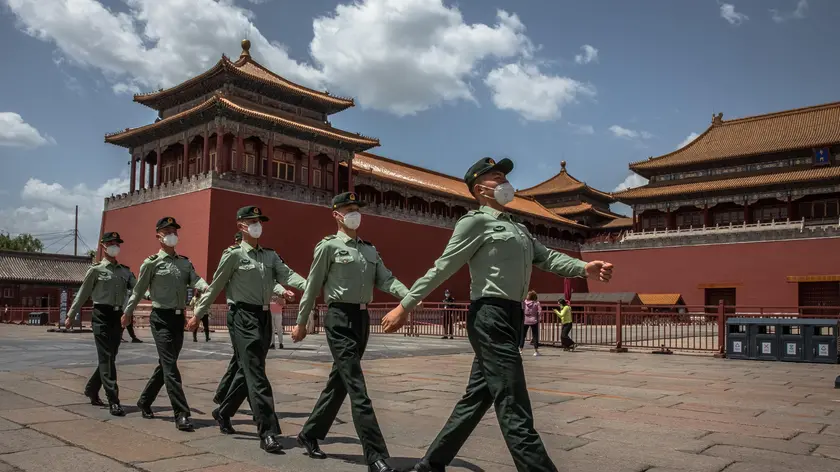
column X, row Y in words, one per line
column 271, row 445
column 381, row 466
column 116, row 410
column 95, row 400
column 272, row 347
column 280, row 346
column 311, row 446
column 145, row 411
column 136, row 340
column 183, row 423
column 224, row 423
column 423, row 466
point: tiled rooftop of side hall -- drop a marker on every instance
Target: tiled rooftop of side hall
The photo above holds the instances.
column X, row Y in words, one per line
column 595, row 411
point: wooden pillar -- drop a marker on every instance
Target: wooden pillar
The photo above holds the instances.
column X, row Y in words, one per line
column 633, row 227
column 153, row 169
column 133, row 171
column 312, row 169
column 335, row 175
column 706, row 221
column 790, row 215
column 668, row 219
column 269, row 155
column 205, row 154
column 350, row 186
column 159, row 160
column 240, row 151
column 185, row 172
column 220, row 145
column 746, row 212
column 142, row 173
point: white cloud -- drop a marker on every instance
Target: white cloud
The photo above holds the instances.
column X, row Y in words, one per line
column 797, row 14
column 532, row 94
column 589, row 54
column 14, row 132
column 691, row 137
column 621, row 132
column 632, row 181
column 728, row 13
column 49, row 207
column 582, row 129
column 401, row 56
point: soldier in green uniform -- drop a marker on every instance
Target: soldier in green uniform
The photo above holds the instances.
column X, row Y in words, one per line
column 106, row 282
column 249, row 274
column 348, row 268
column 500, row 253
column 167, row 275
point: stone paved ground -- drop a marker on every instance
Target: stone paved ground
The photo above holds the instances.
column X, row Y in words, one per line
column 595, row 411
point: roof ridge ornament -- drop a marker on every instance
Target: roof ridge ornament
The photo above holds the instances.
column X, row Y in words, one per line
column 717, row 120
column 562, row 166
column 246, row 48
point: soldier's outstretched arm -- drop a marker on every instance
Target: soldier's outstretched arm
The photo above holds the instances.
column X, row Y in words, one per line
column 220, row 279
column 556, row 262
column 315, row 282
column 386, row 281
column 82, row 295
column 283, row 274
column 139, row 288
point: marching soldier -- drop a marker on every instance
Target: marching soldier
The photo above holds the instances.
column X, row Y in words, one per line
column 106, row 282
column 347, row 268
column 249, row 273
column 500, row 253
column 167, row 275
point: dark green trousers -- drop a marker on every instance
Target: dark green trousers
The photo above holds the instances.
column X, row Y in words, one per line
column 107, row 334
column 347, row 328
column 251, row 339
column 494, row 327
column 168, row 331
column 233, row 365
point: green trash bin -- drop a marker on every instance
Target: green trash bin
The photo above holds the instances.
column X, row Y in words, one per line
column 821, row 340
column 792, row 336
column 737, row 338
column 764, row 339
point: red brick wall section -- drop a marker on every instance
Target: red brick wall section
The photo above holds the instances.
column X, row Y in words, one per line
column 757, row 270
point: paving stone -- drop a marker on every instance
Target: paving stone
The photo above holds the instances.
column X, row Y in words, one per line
column 763, row 456
column 652, row 457
column 758, row 467
column 25, row 439
column 648, row 440
column 638, row 427
column 819, row 439
column 180, row 464
column 780, row 445
column 13, row 401
column 63, row 459
column 39, row 415
column 832, row 452
column 6, row 425
column 45, row 393
column 101, row 437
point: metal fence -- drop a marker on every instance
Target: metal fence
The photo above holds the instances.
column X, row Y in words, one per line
column 615, row 326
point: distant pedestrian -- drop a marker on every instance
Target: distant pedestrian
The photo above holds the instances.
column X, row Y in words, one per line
column 565, row 314
column 205, row 322
column 6, row 317
column 281, row 297
column 532, row 310
column 449, row 315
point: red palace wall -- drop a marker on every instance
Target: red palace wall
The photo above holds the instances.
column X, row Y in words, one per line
column 208, row 220
column 758, row 271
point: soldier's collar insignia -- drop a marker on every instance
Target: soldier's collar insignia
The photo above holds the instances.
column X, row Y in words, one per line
column 499, row 228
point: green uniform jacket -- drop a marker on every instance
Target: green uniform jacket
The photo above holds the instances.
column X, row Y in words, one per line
column 347, row 269
column 106, row 283
column 250, row 275
column 500, row 253
column 167, row 278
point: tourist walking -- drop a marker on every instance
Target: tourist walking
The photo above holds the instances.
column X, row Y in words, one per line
column 531, row 312
column 500, row 253
column 565, row 315
column 167, row 275
column 449, row 315
column 348, row 268
column 106, row 282
column 280, row 300
column 249, row 274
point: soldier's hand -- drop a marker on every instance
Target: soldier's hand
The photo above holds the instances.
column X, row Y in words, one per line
column 298, row 333
column 125, row 320
column 289, row 296
column 394, row 320
column 192, row 324
column 599, row 270
column 68, row 322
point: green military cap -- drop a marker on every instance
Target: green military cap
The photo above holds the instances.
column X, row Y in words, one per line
column 250, row 212
column 167, row 222
column 346, row 198
column 238, row 236
column 484, row 166
column 112, row 236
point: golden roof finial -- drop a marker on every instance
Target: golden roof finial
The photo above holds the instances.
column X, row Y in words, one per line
column 717, row 119
column 563, row 166
column 246, row 47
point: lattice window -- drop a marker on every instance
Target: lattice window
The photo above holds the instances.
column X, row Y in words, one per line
column 651, row 222
column 726, row 217
column 690, row 219
column 768, row 214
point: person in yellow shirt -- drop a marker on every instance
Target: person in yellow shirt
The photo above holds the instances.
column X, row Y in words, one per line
column 565, row 314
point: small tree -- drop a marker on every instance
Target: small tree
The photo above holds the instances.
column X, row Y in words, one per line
column 21, row 242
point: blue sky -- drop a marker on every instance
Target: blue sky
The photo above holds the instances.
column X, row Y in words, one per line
column 440, row 84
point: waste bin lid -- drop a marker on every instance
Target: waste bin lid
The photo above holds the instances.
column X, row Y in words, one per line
column 783, row 321
column 753, row 321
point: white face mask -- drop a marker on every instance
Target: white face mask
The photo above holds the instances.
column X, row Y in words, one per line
column 112, row 251
column 255, row 230
column 352, row 220
column 503, row 193
column 170, row 240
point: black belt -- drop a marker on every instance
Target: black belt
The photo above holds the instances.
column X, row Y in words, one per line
column 104, row 307
column 170, row 311
column 349, row 306
column 499, row 302
column 251, row 307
